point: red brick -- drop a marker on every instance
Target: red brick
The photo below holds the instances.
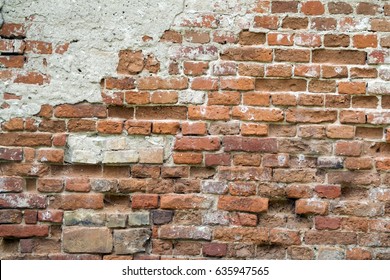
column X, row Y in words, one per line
column 164, row 97
column 358, row 163
column 12, row 61
column 245, row 204
column 308, row 40
column 284, row 237
column 51, row 155
column 328, row 191
column 363, row 72
column 329, row 223
column 330, row 237
column 224, row 98
column 22, row 200
column 279, row 70
column 247, row 159
column 194, row 128
column 242, row 83
column 77, row 185
column 299, row 191
column 197, row 37
column 244, row 173
column 83, row 110
column 340, row 131
column 339, row 56
column 197, row 144
column 50, row 185
column 11, row 154
column 310, row 116
column 323, row 24
column 348, row 148
column 174, row 171
column 247, row 54
column 81, row 125
column 130, row 62
column 340, row 8
column 292, row 55
column 59, row 139
column 284, row 7
column 280, row 39
column 24, row 231
column 256, row 99
column 352, row 87
column 154, row 82
column 367, row 8
column 161, row 113
column 284, row 99
column 250, row 69
column 257, row 114
column 39, row 47
column 358, row 254
column 214, row 250
column 251, row 38
column 322, row 86
column 145, row 171
column 13, row 30
column 52, row 126
column 306, row 206
column 30, row 216
column 110, row 126
column 209, row 112
column 254, row 129
column 280, row 85
column 295, row 23
column 137, row 97
column 217, row 159
column 144, row 201
column 166, row 127
column 224, row 36
column 258, row 235
column 312, row 8
column 249, row 144
column 187, row 158
column 267, row 22
column 243, row 219
column 25, row 139
column 348, row 116
column 204, row 83
column 365, row 41
column 9, row 216
column 138, row 127
column 194, row 68
column 53, row 216
column 12, row 184
column 125, row 83
column 171, row 36
column 32, row 78
column 242, row 189
column 78, row 201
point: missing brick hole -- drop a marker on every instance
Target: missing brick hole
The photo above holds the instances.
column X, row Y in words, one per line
column 117, row 202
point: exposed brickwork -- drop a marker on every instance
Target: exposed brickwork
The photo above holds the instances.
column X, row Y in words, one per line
column 266, row 139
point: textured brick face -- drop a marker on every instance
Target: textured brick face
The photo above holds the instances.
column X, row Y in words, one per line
column 223, row 136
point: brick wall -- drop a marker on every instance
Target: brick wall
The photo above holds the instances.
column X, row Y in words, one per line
column 258, row 130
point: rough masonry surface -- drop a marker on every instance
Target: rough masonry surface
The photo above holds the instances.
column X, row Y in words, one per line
column 190, row 129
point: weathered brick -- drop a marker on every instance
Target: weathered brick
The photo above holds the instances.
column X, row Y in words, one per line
column 249, row 144
column 185, row 232
column 78, row 201
column 23, row 200
column 245, row 204
column 12, row 184
column 184, row 201
column 306, row 206
column 87, row 240
column 24, row 231
column 83, row 110
column 130, row 241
